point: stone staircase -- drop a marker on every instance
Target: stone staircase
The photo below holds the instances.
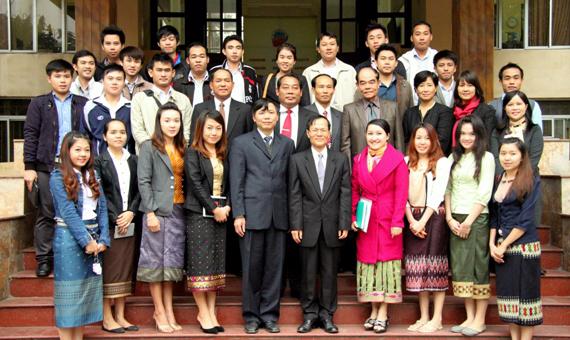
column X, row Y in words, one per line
column 28, row 313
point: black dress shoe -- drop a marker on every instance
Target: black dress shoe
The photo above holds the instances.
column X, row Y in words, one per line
column 307, row 326
column 251, row 327
column 43, row 270
column 272, row 327
column 118, row 330
column 329, row 326
column 131, row 328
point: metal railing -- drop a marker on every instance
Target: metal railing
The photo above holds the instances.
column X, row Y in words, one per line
column 11, row 127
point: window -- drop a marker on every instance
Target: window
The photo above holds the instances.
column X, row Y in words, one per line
column 392, row 14
column 37, row 25
column 223, row 18
column 340, row 19
column 532, row 23
column 556, row 126
column 168, row 12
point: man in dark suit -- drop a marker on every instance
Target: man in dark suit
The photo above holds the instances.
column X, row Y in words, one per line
column 292, row 123
column 320, row 213
column 259, row 161
column 195, row 84
column 323, row 90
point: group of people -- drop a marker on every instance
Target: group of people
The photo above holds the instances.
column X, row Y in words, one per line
column 194, row 173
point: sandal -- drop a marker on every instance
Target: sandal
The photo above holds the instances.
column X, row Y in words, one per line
column 430, row 327
column 369, row 324
column 415, row 327
column 380, row 326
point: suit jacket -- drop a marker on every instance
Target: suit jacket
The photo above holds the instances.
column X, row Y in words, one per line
column 187, row 87
column 312, row 211
column 259, row 180
column 200, row 178
column 272, row 90
column 110, row 184
column 336, row 117
column 156, row 180
column 404, row 95
column 303, row 142
column 240, row 118
column 355, row 119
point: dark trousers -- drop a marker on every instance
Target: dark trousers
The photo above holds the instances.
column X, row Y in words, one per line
column 347, row 261
column 262, row 254
column 45, row 224
column 292, row 268
column 233, row 258
column 320, row 260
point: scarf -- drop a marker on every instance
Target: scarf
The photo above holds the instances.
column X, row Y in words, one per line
column 460, row 112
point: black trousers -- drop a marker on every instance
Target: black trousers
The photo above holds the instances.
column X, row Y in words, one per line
column 292, row 268
column 262, row 255
column 320, row 260
column 45, row 223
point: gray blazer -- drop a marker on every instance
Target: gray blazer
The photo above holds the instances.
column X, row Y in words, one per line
column 336, row 125
column 355, row 119
column 156, row 180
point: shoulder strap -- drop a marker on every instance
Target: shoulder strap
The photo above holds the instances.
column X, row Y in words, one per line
column 267, row 80
column 150, row 93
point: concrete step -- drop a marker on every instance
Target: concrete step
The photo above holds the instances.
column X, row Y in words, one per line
column 22, row 312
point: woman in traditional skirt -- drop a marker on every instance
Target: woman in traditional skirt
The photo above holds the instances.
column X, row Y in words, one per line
column 161, row 186
column 514, row 243
column 427, row 236
column 118, row 171
column 466, row 198
column 380, row 175
column 81, row 234
column 205, row 228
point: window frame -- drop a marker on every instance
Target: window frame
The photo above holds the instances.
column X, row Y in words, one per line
column 221, row 20
column 341, row 20
column 64, row 30
column 554, row 120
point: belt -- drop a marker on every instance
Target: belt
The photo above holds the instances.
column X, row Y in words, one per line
column 90, row 224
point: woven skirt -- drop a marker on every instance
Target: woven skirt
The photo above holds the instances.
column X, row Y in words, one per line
column 205, row 249
column 78, row 291
column 427, row 266
column 518, row 285
column 118, row 267
column 162, row 253
column 380, row 282
column 470, row 260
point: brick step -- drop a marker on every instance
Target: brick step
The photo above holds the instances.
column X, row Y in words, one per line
column 288, row 331
column 30, row 260
column 21, row 312
column 26, row 284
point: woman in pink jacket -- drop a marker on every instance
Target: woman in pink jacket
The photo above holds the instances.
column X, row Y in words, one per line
column 380, row 175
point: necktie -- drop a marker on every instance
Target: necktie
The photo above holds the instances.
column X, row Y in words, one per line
column 371, row 112
column 326, row 115
column 286, row 130
column 222, row 111
column 267, row 140
column 321, row 171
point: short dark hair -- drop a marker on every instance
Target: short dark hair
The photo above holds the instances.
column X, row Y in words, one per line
column 290, row 75
column 508, row 66
column 112, row 30
column 261, row 104
column 419, row 23
column 160, row 58
column 470, row 77
column 366, row 68
column 326, row 34
column 423, row 76
column 133, row 52
column 381, row 123
column 195, row 44
column 113, row 68
column 81, row 54
column 446, row 54
column 231, row 38
column 385, row 47
column 112, row 120
column 375, row 26
column 221, row 69
column 315, row 118
column 58, row 65
column 286, row 46
column 167, row 30
column 314, row 80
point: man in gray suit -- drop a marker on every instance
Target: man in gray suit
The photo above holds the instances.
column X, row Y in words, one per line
column 356, row 115
column 259, row 161
column 323, row 90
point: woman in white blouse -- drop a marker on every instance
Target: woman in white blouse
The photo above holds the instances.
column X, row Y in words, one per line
column 426, row 238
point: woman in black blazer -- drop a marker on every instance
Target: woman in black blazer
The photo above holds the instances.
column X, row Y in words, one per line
column 207, row 206
column 117, row 169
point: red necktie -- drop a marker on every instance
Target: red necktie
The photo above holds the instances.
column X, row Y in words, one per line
column 286, row 130
column 325, row 114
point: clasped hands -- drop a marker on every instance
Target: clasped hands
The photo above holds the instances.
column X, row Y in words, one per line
column 497, row 252
column 95, row 248
column 462, row 229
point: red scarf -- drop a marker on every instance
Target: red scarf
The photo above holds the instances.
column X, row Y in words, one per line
column 460, row 112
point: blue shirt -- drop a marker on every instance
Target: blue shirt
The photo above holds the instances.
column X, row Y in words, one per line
column 388, row 92
column 63, row 117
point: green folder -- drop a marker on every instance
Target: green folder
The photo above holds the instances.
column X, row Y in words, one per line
column 363, row 209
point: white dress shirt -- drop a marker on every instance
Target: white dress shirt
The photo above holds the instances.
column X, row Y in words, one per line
column 316, row 157
column 163, row 97
column 448, row 93
column 112, row 109
column 198, row 96
column 238, row 92
column 322, row 109
column 227, row 103
column 89, row 208
column 93, row 90
column 294, row 121
column 124, row 173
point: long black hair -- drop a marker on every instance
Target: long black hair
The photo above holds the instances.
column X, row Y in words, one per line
column 479, row 148
column 503, row 123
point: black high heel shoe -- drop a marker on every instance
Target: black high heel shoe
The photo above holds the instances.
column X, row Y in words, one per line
column 213, row 330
